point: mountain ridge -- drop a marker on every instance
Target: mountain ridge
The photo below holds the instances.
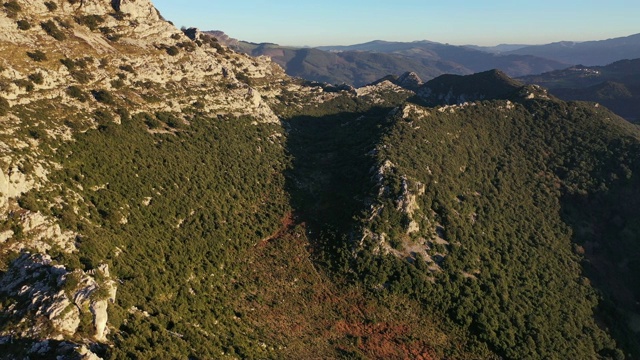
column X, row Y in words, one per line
column 590, row 53
column 358, row 65
column 615, row 85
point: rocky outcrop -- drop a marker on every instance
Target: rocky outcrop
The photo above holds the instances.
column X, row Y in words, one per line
column 49, row 349
column 35, row 277
column 14, row 184
column 410, row 81
column 57, row 297
column 407, row 204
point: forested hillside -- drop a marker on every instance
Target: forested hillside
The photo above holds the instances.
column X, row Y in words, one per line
column 165, row 197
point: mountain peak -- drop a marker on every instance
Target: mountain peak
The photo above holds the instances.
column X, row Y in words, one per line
column 487, row 85
column 409, row 80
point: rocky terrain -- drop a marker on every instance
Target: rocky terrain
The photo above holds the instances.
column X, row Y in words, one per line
column 75, row 64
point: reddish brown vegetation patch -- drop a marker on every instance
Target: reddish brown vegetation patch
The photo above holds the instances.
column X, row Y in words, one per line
column 305, row 314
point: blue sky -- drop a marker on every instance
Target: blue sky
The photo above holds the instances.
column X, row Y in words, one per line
column 343, row 22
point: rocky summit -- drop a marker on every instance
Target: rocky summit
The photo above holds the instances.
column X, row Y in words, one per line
column 162, row 196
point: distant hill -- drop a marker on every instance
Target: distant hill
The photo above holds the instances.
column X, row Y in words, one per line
column 362, row 64
column 616, row 86
column 587, row 53
column 489, row 85
column 498, row 48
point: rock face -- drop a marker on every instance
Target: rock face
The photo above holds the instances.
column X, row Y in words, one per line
column 410, row 81
column 35, row 277
column 132, row 36
column 56, row 296
column 99, row 311
column 15, row 183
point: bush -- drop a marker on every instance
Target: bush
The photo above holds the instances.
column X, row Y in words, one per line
column 51, row 5
column 81, row 76
column 127, row 68
column 173, row 50
column 5, row 85
column 103, row 96
column 24, row 25
column 4, row 106
column 37, row 133
column 29, row 201
column 37, row 78
column 119, row 15
column 103, row 117
column 79, row 63
column 25, row 84
column 68, row 63
column 170, row 119
column 37, row 55
column 124, row 114
column 12, row 8
column 110, row 34
column 84, row 62
column 77, row 93
column 117, row 83
column 149, row 120
column 188, row 46
column 52, row 29
column 90, row 21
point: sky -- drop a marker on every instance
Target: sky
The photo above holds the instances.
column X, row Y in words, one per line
column 458, row 22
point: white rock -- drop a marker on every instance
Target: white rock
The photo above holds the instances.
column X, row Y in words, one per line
column 99, row 311
column 5, row 235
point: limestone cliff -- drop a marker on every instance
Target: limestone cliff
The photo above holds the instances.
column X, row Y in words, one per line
column 87, row 61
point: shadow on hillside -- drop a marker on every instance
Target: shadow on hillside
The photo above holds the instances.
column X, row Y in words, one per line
column 330, row 181
column 606, row 227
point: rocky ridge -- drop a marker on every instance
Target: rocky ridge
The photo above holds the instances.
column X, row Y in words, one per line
column 51, row 302
column 91, row 58
column 103, row 61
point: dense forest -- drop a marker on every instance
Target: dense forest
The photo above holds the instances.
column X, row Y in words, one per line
column 243, row 214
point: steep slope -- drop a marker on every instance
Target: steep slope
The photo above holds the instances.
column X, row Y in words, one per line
column 482, row 202
column 145, row 205
column 109, row 115
column 166, row 197
column 473, row 209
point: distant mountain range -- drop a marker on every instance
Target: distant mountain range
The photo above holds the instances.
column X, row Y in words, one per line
column 589, row 53
column 616, row 86
column 361, row 64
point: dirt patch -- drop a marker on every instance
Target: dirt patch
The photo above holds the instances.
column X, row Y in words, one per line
column 302, row 313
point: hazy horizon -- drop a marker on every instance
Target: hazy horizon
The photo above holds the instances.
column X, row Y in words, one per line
column 416, row 41
column 458, row 22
